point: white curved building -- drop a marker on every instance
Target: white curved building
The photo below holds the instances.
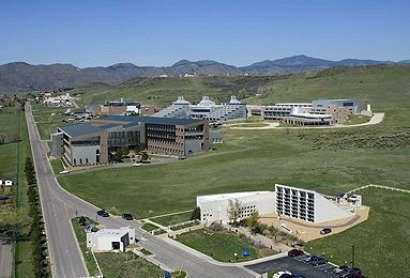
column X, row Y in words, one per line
column 205, row 109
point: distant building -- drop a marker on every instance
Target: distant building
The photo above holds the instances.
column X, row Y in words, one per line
column 90, row 143
column 205, row 109
column 319, row 112
column 118, row 108
column 106, row 240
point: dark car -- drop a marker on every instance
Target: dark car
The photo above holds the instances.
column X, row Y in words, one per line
column 318, row 261
column 325, row 231
column 341, row 269
column 127, row 216
column 102, row 213
column 350, row 273
column 310, row 259
column 295, row 253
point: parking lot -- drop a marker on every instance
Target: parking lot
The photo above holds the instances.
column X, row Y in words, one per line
column 296, row 266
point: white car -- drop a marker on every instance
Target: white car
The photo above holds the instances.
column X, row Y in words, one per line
column 280, row 273
column 64, row 172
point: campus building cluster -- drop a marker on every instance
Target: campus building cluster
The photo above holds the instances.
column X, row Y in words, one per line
column 91, row 143
column 319, row 112
column 285, row 201
column 205, row 109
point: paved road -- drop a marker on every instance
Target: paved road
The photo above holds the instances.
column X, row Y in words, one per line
column 59, row 206
column 6, row 257
column 65, row 257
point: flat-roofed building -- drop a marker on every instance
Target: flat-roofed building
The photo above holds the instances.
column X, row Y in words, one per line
column 106, row 240
column 215, row 207
column 285, row 201
column 89, row 143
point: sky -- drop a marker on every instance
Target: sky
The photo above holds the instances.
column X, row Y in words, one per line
column 90, row 33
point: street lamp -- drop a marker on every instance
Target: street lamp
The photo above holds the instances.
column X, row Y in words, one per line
column 352, row 262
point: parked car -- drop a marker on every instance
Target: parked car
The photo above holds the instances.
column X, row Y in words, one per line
column 350, row 273
column 280, row 273
column 295, row 252
column 318, row 261
column 325, row 231
column 341, row 269
column 127, row 216
column 310, row 259
column 102, row 213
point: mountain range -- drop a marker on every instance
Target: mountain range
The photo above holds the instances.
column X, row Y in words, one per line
column 23, row 77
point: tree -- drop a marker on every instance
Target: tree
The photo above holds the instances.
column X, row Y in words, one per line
column 118, row 155
column 196, row 214
column 234, row 211
column 253, row 222
column 145, row 156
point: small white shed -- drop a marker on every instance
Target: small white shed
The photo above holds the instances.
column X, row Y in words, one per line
column 110, row 239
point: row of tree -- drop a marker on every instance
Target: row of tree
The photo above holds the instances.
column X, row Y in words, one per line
column 37, row 232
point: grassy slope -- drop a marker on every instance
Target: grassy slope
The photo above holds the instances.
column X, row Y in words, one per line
column 163, row 91
column 315, row 159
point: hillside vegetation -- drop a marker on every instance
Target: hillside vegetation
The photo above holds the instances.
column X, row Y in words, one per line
column 386, row 88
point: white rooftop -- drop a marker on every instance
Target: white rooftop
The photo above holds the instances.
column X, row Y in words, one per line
column 113, row 232
column 229, row 196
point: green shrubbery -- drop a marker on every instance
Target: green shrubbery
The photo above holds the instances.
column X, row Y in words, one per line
column 37, row 233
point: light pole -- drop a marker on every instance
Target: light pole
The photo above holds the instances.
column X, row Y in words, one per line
column 352, row 262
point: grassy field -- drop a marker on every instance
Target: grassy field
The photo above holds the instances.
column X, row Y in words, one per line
column 48, row 119
column 219, row 245
column 127, row 265
column 326, row 160
column 12, row 159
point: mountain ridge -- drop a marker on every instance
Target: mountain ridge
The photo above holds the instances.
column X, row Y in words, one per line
column 22, row 77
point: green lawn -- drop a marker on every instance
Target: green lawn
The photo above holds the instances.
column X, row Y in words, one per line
column 173, row 219
column 149, row 227
column 127, row 265
column 221, row 246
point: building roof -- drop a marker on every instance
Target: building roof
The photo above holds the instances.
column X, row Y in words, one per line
column 112, row 232
column 150, row 120
column 230, row 196
column 76, row 130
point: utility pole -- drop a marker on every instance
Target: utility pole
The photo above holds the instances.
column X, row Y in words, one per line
column 352, row 262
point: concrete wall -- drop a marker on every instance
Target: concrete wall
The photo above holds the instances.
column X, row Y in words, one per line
column 84, row 155
column 216, row 208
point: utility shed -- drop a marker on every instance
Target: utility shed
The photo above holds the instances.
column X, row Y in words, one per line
column 106, row 240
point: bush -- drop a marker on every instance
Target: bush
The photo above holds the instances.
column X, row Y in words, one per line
column 216, row 227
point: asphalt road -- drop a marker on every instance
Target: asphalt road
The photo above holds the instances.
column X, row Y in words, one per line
column 59, row 207
column 6, row 257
